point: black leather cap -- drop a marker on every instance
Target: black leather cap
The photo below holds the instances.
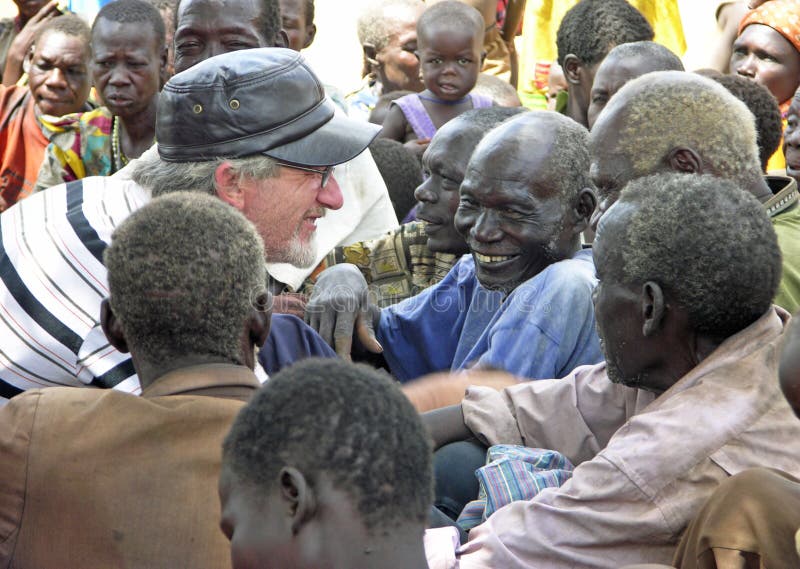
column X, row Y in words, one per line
column 256, row 101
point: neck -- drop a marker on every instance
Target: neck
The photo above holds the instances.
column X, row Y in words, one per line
column 137, row 132
column 684, row 358
column 402, row 549
column 576, row 111
column 150, row 371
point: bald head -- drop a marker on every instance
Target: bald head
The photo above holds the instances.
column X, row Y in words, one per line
column 673, row 121
column 623, row 64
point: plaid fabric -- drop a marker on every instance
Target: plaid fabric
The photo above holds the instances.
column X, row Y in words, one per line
column 513, row 473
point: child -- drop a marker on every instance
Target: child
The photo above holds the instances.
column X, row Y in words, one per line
column 450, row 44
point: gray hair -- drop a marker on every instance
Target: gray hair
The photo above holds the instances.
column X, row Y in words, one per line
column 161, row 177
column 708, row 243
column 375, row 26
column 667, row 109
column 184, row 272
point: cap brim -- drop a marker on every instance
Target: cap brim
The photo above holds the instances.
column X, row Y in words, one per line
column 339, row 140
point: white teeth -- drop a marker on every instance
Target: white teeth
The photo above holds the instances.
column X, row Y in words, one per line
column 493, row 258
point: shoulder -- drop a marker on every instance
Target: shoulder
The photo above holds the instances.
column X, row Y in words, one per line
column 569, row 277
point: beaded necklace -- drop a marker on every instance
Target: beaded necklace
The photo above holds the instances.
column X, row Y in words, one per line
column 119, row 159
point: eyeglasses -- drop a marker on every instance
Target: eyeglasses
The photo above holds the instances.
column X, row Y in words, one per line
column 326, row 173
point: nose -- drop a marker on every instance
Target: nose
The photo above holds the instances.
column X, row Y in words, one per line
column 56, row 78
column 746, row 67
column 792, row 136
column 331, row 195
column 118, row 76
column 486, row 228
column 423, row 193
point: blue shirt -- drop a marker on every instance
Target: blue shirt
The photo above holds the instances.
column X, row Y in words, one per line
column 543, row 329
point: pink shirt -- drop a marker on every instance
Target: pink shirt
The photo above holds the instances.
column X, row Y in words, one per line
column 645, row 465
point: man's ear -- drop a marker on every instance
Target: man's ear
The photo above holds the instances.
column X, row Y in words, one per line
column 259, row 319
column 281, row 39
column 28, row 59
column 572, row 69
column 311, row 33
column 298, row 494
column 653, row 308
column 112, row 328
column 226, row 181
column 370, row 54
column 584, row 208
column 685, row 160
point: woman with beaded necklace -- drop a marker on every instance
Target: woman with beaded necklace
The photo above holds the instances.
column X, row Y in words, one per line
column 128, row 62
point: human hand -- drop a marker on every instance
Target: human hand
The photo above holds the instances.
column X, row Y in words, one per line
column 289, row 303
column 339, row 310
column 417, row 146
column 24, row 40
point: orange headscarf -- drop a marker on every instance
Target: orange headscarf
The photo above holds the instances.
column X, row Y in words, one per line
column 783, row 16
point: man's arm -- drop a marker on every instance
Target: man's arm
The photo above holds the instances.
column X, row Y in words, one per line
column 16, row 428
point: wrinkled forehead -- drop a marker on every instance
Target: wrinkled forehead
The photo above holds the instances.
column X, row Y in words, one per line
column 211, row 12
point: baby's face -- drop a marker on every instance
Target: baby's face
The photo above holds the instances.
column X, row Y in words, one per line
column 450, row 60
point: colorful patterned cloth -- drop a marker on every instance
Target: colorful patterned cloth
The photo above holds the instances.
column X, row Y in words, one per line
column 513, row 473
column 80, row 146
column 397, row 266
column 361, row 102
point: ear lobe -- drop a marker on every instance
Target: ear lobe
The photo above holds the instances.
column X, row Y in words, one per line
column 483, row 58
column 227, row 185
column 112, row 328
column 26, row 61
column 584, row 209
column 685, row 160
column 281, row 39
column 572, row 69
column 653, row 308
column 311, row 33
column 260, row 319
column 299, row 496
column 370, row 54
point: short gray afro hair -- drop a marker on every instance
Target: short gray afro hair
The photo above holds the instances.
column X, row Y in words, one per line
column 376, row 25
column 667, row 109
column 347, row 421
column 655, row 54
column 707, row 243
column 184, row 272
column 452, row 13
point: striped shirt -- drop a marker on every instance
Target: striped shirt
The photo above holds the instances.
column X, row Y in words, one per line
column 52, row 281
column 52, row 277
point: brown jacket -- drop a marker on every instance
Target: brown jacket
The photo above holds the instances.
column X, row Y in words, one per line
column 95, row 478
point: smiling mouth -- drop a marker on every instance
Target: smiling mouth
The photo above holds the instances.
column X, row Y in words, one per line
column 493, row 259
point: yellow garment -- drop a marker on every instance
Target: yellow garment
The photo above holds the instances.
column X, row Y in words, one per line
column 541, row 21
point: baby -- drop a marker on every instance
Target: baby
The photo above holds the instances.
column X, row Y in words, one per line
column 450, row 51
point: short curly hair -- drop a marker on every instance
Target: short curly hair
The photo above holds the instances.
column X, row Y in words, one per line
column 592, row 27
column 184, row 272
column 134, row 12
column 708, row 243
column 68, row 24
column 764, row 107
column 400, row 170
column 346, row 420
column 666, row 109
column 375, row 26
column 452, row 13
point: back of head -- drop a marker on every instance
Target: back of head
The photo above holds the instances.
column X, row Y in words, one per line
column 376, row 25
column 347, row 422
column 133, row 12
column 764, row 107
column 658, row 112
column 400, row 170
column 592, row 27
column 484, row 120
column 450, row 13
column 707, row 243
column 183, row 272
column 68, row 24
column 653, row 55
column 501, row 92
